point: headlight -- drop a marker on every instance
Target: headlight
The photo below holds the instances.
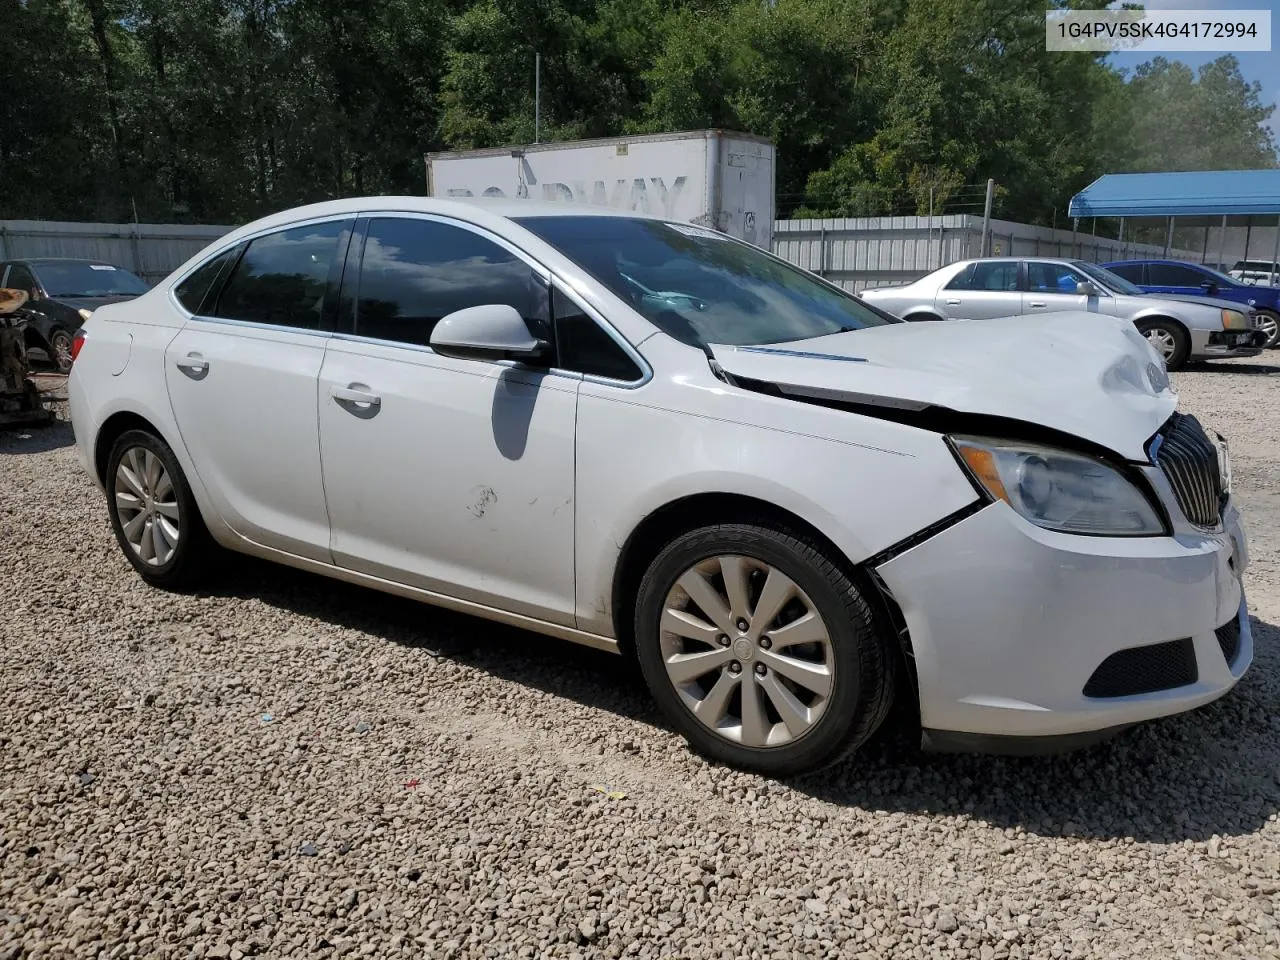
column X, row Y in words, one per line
column 1234, row 320
column 84, row 314
column 1060, row 490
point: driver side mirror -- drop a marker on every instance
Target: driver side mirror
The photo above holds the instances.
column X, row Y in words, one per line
column 492, row 331
column 1208, row 286
column 1086, row 289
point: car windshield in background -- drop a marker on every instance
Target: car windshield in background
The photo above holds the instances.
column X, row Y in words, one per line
column 1112, row 281
column 701, row 287
column 88, row 280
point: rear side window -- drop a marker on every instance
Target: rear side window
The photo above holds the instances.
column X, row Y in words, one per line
column 1173, row 275
column 192, row 291
column 1130, row 271
column 413, row 272
column 1001, row 275
column 283, row 277
column 20, row 278
column 583, row 345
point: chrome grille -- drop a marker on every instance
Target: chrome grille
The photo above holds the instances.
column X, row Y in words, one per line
column 1189, row 460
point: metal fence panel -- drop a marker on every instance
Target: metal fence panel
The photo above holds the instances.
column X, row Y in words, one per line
column 152, row 251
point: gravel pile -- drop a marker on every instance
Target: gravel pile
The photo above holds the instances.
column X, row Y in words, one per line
column 287, row 766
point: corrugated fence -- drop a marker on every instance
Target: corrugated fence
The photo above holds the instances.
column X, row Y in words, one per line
column 150, row 250
column 855, row 253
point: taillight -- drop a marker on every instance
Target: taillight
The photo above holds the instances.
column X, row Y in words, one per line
column 76, row 343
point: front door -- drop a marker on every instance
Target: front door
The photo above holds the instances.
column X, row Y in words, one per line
column 455, row 476
column 242, row 381
column 1051, row 287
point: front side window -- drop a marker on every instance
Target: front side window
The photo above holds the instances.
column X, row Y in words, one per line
column 994, row 275
column 20, row 278
column 283, row 277
column 1052, row 278
column 414, row 272
column 701, row 287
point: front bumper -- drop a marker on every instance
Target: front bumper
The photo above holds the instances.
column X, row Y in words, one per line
column 1219, row 344
column 1009, row 623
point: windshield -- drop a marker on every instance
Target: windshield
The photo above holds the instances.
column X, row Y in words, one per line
column 88, row 280
column 701, row 287
column 1112, row 281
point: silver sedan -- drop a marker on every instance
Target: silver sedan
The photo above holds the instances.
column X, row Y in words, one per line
column 1181, row 328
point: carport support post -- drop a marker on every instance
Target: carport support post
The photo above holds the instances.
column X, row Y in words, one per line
column 1275, row 255
column 1120, row 240
column 1168, row 238
column 1248, row 232
column 1075, row 245
column 1222, row 243
column 1204, row 247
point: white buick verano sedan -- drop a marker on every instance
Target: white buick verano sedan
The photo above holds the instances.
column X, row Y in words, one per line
column 787, row 506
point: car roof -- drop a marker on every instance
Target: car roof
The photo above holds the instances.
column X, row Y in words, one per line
column 1180, row 263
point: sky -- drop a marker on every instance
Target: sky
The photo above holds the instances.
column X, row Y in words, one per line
column 1255, row 66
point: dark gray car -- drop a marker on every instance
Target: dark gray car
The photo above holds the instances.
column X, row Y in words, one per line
column 63, row 294
column 1181, row 328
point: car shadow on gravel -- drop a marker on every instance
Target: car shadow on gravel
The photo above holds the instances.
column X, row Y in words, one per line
column 1214, row 771
column 26, row 438
column 1227, row 366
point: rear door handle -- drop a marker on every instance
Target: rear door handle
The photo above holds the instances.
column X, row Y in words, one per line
column 194, row 366
column 1036, row 303
column 356, row 399
column 953, row 303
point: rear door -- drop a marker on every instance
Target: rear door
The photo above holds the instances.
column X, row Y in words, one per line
column 242, row 377
column 1175, row 278
column 981, row 291
column 1050, row 287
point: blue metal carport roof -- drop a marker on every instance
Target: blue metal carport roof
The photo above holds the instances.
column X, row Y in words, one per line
column 1210, row 192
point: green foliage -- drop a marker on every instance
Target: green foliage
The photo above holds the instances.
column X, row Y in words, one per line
column 221, row 110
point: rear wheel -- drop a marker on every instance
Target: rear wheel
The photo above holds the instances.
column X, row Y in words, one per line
column 761, row 650
column 1170, row 340
column 1269, row 323
column 153, row 513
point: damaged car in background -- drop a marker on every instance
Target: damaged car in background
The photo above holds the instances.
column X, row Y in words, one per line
column 786, row 506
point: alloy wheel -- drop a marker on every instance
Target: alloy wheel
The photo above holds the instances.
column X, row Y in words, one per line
column 1163, row 341
column 62, row 352
column 147, row 505
column 747, row 651
column 1268, row 325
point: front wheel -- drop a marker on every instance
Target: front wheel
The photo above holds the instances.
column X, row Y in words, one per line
column 153, row 513
column 1170, row 340
column 60, row 350
column 1269, row 323
column 761, row 650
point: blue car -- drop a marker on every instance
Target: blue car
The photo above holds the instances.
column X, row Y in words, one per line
column 1178, row 276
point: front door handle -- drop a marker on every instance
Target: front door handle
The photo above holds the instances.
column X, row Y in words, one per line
column 357, row 400
column 194, row 366
column 953, row 303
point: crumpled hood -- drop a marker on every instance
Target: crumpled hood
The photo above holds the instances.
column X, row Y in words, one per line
column 1087, row 374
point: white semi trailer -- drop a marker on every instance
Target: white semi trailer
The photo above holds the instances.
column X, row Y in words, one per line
column 714, row 178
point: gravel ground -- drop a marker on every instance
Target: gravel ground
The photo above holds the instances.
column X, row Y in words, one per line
column 288, row 766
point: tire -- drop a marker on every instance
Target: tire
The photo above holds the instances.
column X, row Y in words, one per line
column 60, row 350
column 1269, row 321
column 192, row 550
column 858, row 660
column 1169, row 338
